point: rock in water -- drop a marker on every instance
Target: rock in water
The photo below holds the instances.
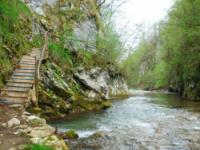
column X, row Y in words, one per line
column 71, row 134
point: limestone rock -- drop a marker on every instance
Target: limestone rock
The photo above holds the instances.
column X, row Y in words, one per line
column 41, row 132
column 13, row 121
column 36, row 121
column 4, row 124
column 51, row 141
column 36, row 5
column 55, row 82
column 102, row 82
column 26, row 113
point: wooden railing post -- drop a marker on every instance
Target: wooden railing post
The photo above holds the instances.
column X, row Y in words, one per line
column 42, row 54
column 36, row 80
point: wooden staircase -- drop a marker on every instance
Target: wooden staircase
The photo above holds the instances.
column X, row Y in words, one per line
column 22, row 84
column 21, row 88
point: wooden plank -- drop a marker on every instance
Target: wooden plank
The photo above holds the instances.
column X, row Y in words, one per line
column 28, row 59
column 35, row 53
column 15, row 89
column 33, row 69
column 25, row 85
column 11, row 100
column 22, row 77
column 21, row 81
column 24, row 74
column 14, row 94
column 26, row 66
column 27, row 62
column 24, row 71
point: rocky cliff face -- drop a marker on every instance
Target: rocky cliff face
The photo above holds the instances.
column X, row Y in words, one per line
column 75, row 81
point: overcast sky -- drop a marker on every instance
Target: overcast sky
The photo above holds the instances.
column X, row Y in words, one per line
column 137, row 12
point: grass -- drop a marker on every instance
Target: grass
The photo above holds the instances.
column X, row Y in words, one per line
column 15, row 26
column 60, row 55
column 10, row 12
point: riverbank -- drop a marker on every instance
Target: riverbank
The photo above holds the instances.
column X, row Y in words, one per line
column 19, row 130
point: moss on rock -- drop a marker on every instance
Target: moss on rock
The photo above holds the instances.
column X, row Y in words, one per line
column 71, row 134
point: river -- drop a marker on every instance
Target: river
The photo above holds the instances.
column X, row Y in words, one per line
column 144, row 121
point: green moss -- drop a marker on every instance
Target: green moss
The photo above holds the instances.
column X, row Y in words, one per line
column 106, row 104
column 90, row 106
column 37, row 147
column 35, row 110
column 71, row 134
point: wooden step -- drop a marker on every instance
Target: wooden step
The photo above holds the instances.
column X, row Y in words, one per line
column 33, row 69
column 28, row 57
column 36, row 53
column 11, row 100
column 24, row 74
column 22, row 78
column 15, row 89
column 25, row 85
column 14, row 94
column 21, row 81
column 26, row 66
column 27, row 62
column 24, row 71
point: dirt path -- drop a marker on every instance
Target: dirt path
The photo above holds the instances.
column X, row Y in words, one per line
column 8, row 138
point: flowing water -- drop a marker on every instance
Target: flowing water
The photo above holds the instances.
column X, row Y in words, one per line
column 146, row 120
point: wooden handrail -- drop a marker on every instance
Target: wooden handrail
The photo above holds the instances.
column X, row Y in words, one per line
column 36, row 81
column 42, row 54
column 38, row 65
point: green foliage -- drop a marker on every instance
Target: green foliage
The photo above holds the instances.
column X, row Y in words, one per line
column 60, row 55
column 109, row 46
column 176, row 61
column 37, row 147
column 140, row 66
column 37, row 41
column 180, row 38
column 15, row 26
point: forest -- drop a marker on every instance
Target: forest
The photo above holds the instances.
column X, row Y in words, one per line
column 169, row 55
